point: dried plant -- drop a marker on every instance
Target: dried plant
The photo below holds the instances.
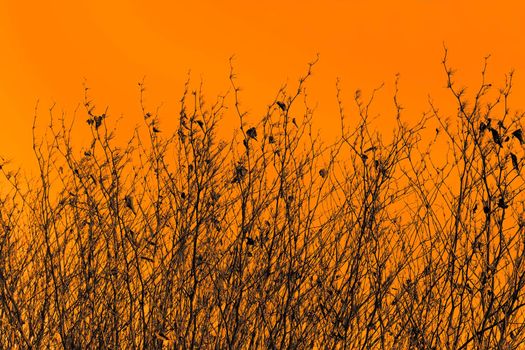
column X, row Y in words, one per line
column 274, row 239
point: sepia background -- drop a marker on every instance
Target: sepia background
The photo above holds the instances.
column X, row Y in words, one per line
column 412, row 237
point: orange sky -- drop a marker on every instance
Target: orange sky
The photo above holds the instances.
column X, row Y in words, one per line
column 49, row 48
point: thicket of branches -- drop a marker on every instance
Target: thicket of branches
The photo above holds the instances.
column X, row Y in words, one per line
column 274, row 239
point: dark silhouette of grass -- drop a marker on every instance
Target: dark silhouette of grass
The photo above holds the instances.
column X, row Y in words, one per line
column 275, row 239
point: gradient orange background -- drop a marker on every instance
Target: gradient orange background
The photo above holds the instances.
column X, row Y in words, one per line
column 50, row 47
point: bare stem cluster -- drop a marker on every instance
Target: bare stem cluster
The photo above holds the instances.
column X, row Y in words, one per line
column 273, row 240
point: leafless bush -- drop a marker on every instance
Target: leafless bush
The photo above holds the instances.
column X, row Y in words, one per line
column 275, row 239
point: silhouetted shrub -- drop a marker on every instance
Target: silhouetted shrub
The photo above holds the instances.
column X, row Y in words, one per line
column 274, row 239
